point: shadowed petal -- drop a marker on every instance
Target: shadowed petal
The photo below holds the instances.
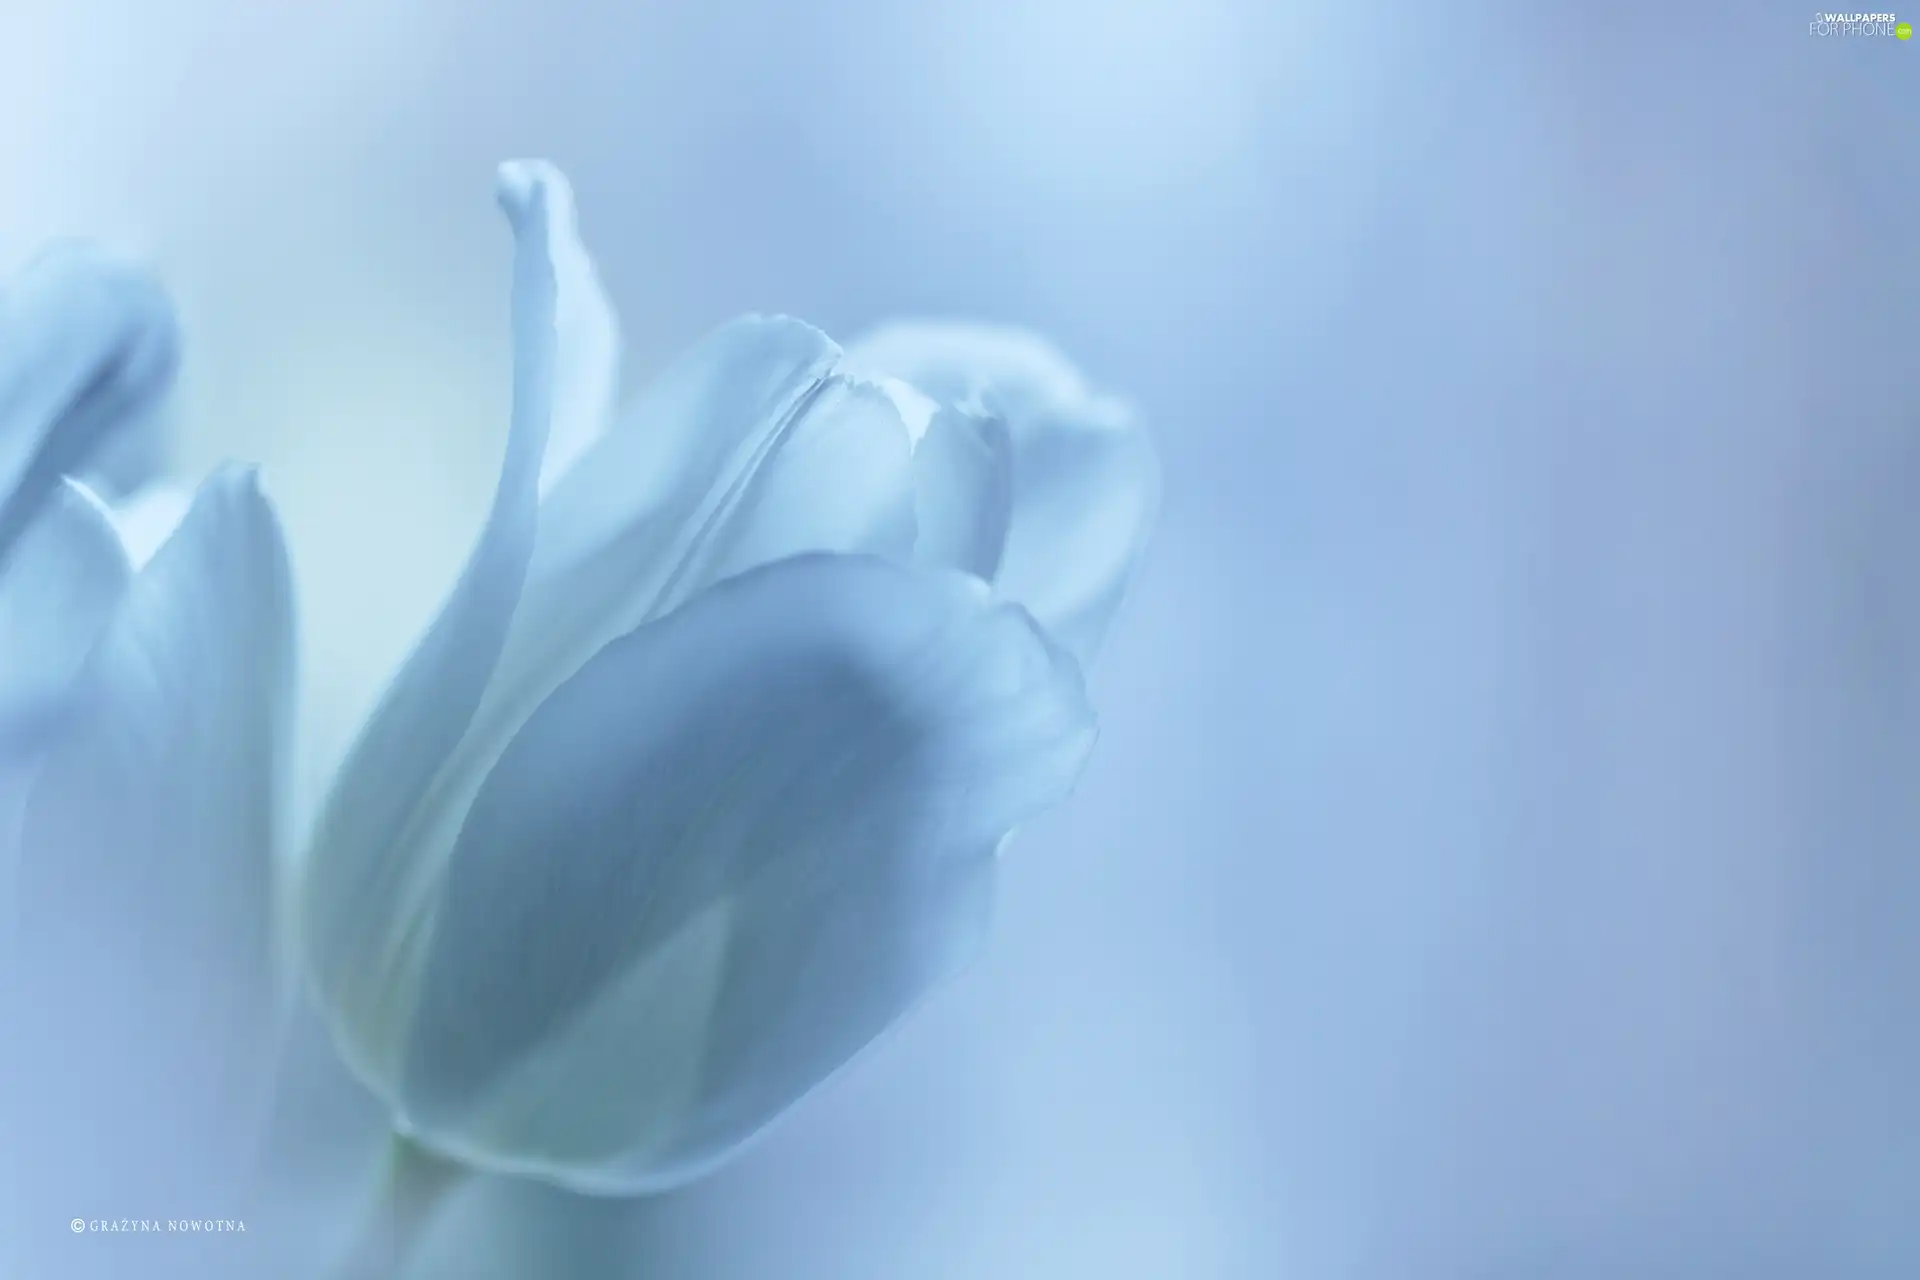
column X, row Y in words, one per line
column 723, row 858
column 1086, row 483
column 145, row 854
column 88, row 345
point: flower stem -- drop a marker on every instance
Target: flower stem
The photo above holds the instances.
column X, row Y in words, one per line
column 413, row 1185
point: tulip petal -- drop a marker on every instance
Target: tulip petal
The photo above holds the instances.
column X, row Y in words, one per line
column 750, row 448
column 88, row 346
column 962, row 481
column 840, row 479
column 57, row 591
column 359, row 892
column 693, row 430
column 963, row 493
column 145, row 859
column 586, row 337
column 724, row 857
column 1086, row 482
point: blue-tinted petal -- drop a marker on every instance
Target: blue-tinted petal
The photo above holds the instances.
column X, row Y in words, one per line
column 145, row 862
column 963, row 492
column 327, row 1141
column 360, row 892
column 840, row 478
column 88, row 345
column 1086, row 482
column 587, row 340
column 694, row 430
column 58, row 589
column 748, row 448
column 723, row 858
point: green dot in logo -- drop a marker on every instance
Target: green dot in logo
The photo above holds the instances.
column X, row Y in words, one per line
column 1904, row 30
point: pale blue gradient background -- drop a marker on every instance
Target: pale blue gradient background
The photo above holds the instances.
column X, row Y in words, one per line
column 1501, row 859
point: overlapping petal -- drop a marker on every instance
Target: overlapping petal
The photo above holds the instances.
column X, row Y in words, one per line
column 1086, row 482
column 963, row 490
column 723, row 858
column 146, row 519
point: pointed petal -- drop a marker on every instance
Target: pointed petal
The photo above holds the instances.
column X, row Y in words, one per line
column 726, row 856
column 1086, row 482
column 587, row 340
column 57, row 591
column 88, row 346
column 145, row 861
column 360, row 892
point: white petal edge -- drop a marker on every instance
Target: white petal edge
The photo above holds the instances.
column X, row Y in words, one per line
column 586, row 335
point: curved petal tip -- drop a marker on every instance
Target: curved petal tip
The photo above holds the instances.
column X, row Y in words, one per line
column 522, row 186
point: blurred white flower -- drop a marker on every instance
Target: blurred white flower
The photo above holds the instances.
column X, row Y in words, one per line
column 142, row 1006
column 698, row 781
column 88, row 347
column 146, row 668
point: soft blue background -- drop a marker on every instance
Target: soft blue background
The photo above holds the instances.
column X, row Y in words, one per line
column 1500, row 861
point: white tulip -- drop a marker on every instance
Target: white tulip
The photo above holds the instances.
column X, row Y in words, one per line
column 699, row 780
